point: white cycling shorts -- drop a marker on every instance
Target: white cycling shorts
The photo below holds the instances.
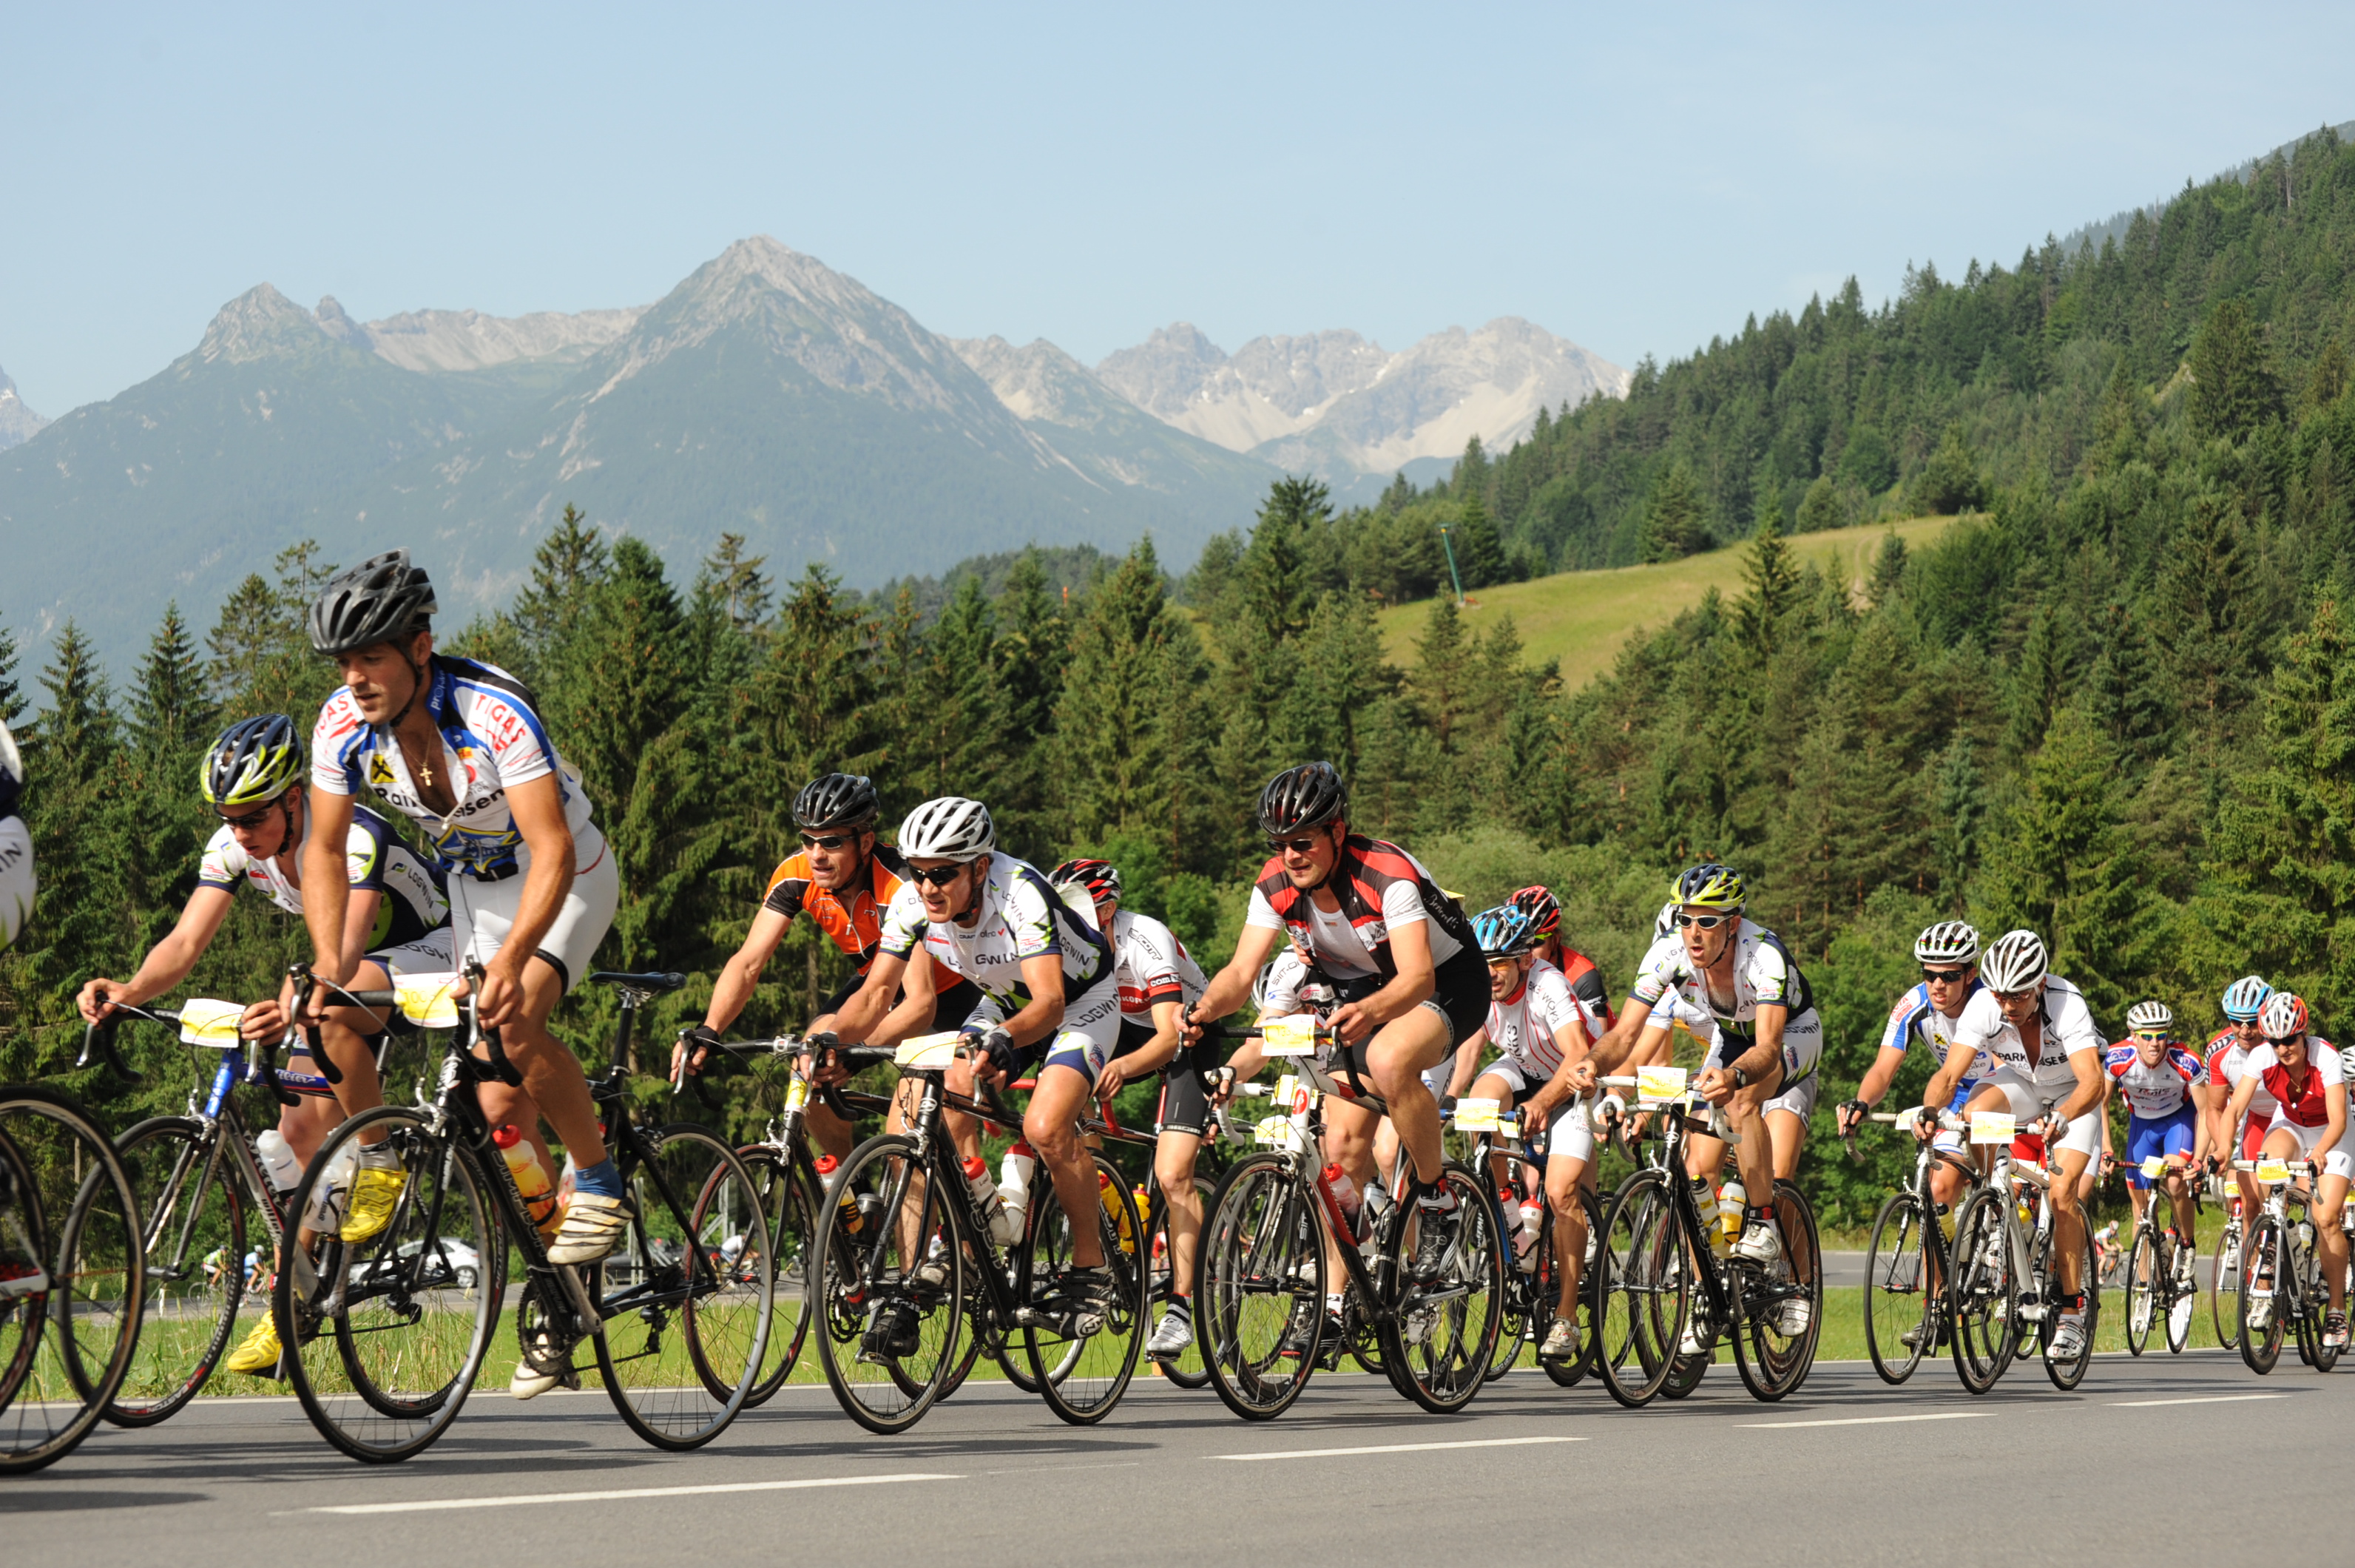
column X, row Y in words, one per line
column 481, row 913
column 2339, row 1161
column 2030, row 1100
column 1803, row 1048
column 429, row 954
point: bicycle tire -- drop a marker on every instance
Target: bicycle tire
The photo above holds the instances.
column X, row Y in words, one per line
column 1773, row 1360
column 2318, row 1354
column 1644, row 1292
column 2142, row 1290
column 2224, row 1280
column 2186, row 1295
column 1897, row 1272
column 1187, row 1371
column 1520, row 1308
column 1359, row 1339
column 865, row 1272
column 190, row 1202
column 1259, row 1239
column 73, row 1209
column 2261, row 1251
column 1572, row 1372
column 1083, row 1375
column 2066, row 1374
column 695, row 1192
column 1438, row 1343
column 1985, row 1294
column 374, row 1399
column 790, row 1198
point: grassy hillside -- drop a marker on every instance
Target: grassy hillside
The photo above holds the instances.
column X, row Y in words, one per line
column 1583, row 617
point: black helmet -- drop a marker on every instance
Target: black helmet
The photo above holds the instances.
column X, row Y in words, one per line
column 1309, row 795
column 253, row 762
column 380, row 599
column 837, row 800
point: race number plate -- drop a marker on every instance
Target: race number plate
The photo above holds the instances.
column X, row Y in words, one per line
column 2152, row 1167
column 204, row 1021
column 2271, row 1170
column 1992, row 1126
column 1656, row 1086
column 1476, row 1115
column 1291, row 1036
column 428, row 1001
column 927, row 1053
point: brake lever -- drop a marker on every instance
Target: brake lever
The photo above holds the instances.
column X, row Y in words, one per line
column 98, row 1039
column 504, row 1069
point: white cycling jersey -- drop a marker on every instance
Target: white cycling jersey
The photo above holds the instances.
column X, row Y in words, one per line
column 1522, row 1027
column 1020, row 916
column 1763, row 972
column 2068, row 1031
column 1152, row 965
column 17, row 884
column 2228, row 1059
column 2158, row 1089
column 374, row 861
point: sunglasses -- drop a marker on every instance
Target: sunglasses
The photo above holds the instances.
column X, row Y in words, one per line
column 1701, row 922
column 1295, row 845
column 1946, row 977
column 2149, row 1037
column 828, row 841
column 251, row 820
column 938, row 877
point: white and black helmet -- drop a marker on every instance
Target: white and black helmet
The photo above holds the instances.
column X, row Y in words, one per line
column 2152, row 1018
column 949, row 828
column 2015, row 961
column 1948, row 941
column 12, row 773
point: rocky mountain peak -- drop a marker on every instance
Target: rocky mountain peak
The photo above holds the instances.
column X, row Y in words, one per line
column 18, row 424
column 336, row 324
column 260, row 324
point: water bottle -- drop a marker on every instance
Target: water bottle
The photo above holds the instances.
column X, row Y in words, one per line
column 1347, row 1198
column 530, row 1175
column 1114, row 1212
column 1143, row 1208
column 1014, row 1183
column 984, row 1193
column 852, row 1219
column 1707, row 1203
column 278, row 1161
column 1732, row 1199
column 1533, row 1219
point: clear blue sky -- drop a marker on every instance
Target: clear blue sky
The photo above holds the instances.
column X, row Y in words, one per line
column 1633, row 177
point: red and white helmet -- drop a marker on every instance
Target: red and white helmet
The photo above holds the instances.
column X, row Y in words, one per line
column 2283, row 1016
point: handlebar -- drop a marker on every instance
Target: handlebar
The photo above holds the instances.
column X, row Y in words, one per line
column 98, row 1040
column 504, row 1069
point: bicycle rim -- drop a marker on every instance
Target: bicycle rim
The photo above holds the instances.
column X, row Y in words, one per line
column 1187, row 1371
column 2142, row 1293
column 190, row 1207
column 790, row 1199
column 684, row 1329
column 1644, row 1289
column 1083, row 1375
column 1260, row 1263
column 1897, row 1294
column 2224, row 1292
column 64, row 1351
column 383, row 1340
column 1773, row 1357
column 1440, row 1341
column 1985, row 1295
column 886, row 1324
column 2260, row 1270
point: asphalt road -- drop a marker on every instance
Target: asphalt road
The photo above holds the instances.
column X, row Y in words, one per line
column 1845, row 1471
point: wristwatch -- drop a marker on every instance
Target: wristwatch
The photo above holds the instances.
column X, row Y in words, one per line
column 1741, row 1079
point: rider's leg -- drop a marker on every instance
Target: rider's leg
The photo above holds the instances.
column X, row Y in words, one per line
column 1396, row 1059
column 551, row 1074
column 1173, row 1154
column 1051, row 1125
column 1491, row 1085
column 1569, row 1168
column 1350, row 1135
column 2068, row 1213
column 2330, row 1240
column 306, row 1123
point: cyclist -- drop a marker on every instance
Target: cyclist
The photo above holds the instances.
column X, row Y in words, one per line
column 1544, row 911
column 844, row 879
column 1948, row 953
column 1157, row 981
column 2161, row 1083
column 2227, row 1052
column 1406, row 963
column 2045, row 1056
column 458, row 746
column 1542, row 1025
column 2304, row 1074
column 18, row 882
column 1048, row 992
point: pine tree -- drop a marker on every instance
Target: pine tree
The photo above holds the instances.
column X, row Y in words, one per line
column 2234, row 391
column 73, row 761
column 2045, row 677
column 565, row 570
column 1106, row 729
column 1958, row 811
column 2126, row 692
column 1479, row 550
column 1032, row 648
column 2327, row 381
column 1950, row 481
column 172, row 723
column 1675, row 521
column 1773, row 579
column 2207, row 610
column 2121, row 423
column 1888, row 572
column 1821, row 508
column 12, row 697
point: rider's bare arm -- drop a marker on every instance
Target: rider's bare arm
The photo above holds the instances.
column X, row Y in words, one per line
column 1230, row 987
column 326, row 892
column 167, row 963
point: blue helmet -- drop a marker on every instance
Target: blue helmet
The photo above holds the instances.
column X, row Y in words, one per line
column 1506, row 932
column 2244, row 998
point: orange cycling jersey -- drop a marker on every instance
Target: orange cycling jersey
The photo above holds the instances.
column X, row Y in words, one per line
column 852, row 918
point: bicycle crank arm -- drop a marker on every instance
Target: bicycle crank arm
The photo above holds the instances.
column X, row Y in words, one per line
column 576, row 1290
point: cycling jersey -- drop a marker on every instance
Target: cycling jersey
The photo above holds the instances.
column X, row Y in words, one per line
column 2068, row 1024
column 1763, row 972
column 1586, row 985
column 1020, row 916
column 2159, row 1090
column 2227, row 1060
column 2299, row 1099
column 852, row 920
column 376, row 862
column 1379, row 887
column 1522, row 1025
column 1152, row 965
column 492, row 739
column 16, row 880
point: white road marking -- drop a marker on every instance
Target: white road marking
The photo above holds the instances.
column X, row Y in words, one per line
column 529, row 1498
column 1870, row 1420
column 2204, row 1399
column 1395, row 1448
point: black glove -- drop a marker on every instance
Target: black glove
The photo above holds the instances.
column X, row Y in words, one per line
column 702, row 1037
column 999, row 1046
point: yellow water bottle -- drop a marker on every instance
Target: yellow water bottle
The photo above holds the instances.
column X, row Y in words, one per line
column 1117, row 1214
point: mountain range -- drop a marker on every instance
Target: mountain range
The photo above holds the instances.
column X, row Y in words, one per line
column 766, row 395
column 18, row 424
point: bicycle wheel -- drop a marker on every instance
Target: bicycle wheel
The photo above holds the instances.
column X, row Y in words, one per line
column 384, row 1336
column 1187, row 1371
column 2142, row 1289
column 2313, row 1296
column 2178, row 1296
column 890, row 1287
column 1781, row 1308
column 1438, row 1343
column 1897, row 1294
column 1644, row 1287
column 789, row 1197
column 1260, row 1266
column 2067, row 1372
column 2261, row 1321
column 1570, row 1374
column 682, row 1342
column 1985, row 1294
column 1082, row 1370
column 2224, row 1288
column 1523, row 1289
column 67, row 1210
column 192, row 1210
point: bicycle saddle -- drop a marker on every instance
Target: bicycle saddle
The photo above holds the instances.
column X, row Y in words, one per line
column 664, row 980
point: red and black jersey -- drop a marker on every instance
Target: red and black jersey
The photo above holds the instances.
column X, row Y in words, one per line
column 1366, row 869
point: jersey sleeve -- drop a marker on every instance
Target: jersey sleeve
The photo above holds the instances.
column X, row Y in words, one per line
column 223, row 865
column 1897, row 1033
column 337, row 742
column 520, row 744
column 1663, row 965
column 788, row 886
column 2194, row 1070
column 1551, row 1002
column 2075, row 1026
column 1151, row 953
column 1592, row 1001
column 1261, row 913
column 1030, row 908
column 904, row 923
column 1401, row 905
column 364, row 853
column 1975, row 1030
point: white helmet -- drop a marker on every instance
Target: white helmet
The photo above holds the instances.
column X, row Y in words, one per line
column 1664, row 922
column 2153, row 1017
column 949, row 828
column 2015, row 961
column 12, row 771
column 1948, row 941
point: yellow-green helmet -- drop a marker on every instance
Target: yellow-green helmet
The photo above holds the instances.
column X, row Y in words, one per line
column 254, row 761
column 1708, row 886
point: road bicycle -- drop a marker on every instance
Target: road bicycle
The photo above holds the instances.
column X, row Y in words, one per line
column 2224, row 1267
column 2162, row 1283
column 1533, row 1284
column 72, row 1284
column 1909, row 1258
column 2007, row 1288
column 1184, row 1370
column 905, row 1239
column 1260, row 1278
column 1671, row 1285
column 384, row 1342
column 2281, row 1273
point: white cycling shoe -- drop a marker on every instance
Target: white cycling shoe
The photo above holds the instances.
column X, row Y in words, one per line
column 1172, row 1337
column 2069, row 1338
column 1761, row 1244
